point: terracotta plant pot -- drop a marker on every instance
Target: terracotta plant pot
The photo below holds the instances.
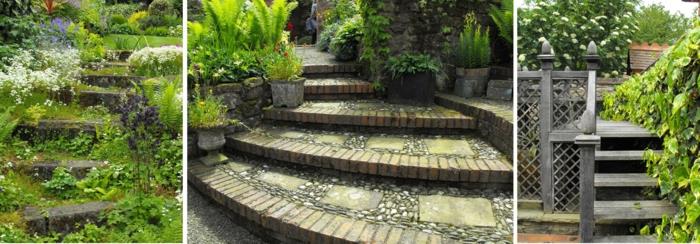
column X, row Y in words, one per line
column 287, row 93
column 415, row 89
column 481, row 76
column 211, row 140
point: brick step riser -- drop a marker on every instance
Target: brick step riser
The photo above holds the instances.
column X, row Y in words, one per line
column 330, row 75
column 370, row 129
column 387, row 120
column 339, row 96
column 290, row 222
column 406, row 166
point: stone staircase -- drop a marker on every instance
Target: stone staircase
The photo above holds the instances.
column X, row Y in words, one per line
column 347, row 168
column 622, row 186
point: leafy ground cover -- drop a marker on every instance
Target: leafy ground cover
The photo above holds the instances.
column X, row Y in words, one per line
column 130, row 42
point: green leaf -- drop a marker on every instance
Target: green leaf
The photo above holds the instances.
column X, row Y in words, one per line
column 679, row 101
column 692, row 213
column 644, row 231
column 680, row 175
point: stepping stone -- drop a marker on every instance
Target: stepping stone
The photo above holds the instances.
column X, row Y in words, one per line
column 391, row 143
column 286, row 133
column 238, row 166
column 352, row 198
column 456, row 211
column 77, row 168
column 449, row 146
column 285, row 181
column 333, row 139
column 63, row 219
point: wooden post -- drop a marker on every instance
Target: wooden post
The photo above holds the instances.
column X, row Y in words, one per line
column 587, row 144
column 592, row 64
column 546, row 58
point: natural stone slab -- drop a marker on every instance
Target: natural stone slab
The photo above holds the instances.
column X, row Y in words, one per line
column 333, row 139
column 391, row 143
column 287, row 134
column 456, row 211
column 63, row 219
column 352, row 198
column 238, row 166
column 285, row 181
column 448, row 146
column 78, row 168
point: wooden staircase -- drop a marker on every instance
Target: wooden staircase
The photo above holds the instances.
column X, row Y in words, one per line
column 620, row 169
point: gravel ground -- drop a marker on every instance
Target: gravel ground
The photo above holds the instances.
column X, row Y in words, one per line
column 207, row 223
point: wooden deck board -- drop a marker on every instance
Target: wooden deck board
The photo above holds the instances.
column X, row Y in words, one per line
column 632, row 210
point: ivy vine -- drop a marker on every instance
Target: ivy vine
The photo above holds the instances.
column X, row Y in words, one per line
column 666, row 100
column 375, row 40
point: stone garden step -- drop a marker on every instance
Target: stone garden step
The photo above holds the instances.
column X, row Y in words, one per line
column 337, row 89
column 50, row 128
column 122, row 81
column 437, row 159
column 63, row 219
column 372, row 113
column 308, row 207
column 109, row 99
column 323, row 64
column 118, row 55
column 78, row 168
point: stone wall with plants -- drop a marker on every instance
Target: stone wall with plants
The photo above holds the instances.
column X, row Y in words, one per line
column 669, row 93
column 432, row 27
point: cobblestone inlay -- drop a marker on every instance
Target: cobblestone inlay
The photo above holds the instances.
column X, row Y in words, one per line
column 398, row 206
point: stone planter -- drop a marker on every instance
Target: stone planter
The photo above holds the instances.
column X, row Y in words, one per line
column 211, row 140
column 416, row 89
column 481, row 76
column 288, row 94
column 465, row 88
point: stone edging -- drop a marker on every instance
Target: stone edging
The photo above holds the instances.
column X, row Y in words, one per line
column 435, row 168
column 292, row 222
column 371, row 118
column 494, row 123
column 121, row 81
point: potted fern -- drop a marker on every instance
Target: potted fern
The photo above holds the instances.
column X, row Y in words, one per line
column 413, row 79
column 283, row 73
column 473, row 58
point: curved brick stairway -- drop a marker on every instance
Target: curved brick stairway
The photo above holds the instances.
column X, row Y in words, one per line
column 407, row 174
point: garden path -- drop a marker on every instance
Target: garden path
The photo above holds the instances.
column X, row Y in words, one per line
column 346, row 166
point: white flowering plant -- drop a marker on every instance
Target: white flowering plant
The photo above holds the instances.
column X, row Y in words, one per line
column 569, row 25
column 48, row 70
column 156, row 61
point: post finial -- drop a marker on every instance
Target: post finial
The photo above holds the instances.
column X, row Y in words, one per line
column 546, row 48
column 592, row 48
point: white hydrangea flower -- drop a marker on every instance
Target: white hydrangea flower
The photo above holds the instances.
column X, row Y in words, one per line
column 573, row 35
column 582, row 47
column 603, row 42
column 615, row 33
column 567, row 56
column 565, row 19
column 541, row 39
column 574, row 41
column 521, row 57
column 615, row 73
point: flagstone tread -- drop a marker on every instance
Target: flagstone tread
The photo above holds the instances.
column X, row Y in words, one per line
column 78, row 168
column 427, row 167
column 294, row 222
column 372, row 114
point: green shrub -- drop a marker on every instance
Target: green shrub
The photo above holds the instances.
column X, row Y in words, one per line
column 569, row 25
column 12, row 234
column 664, row 99
column 160, row 8
column 135, row 19
column 62, row 184
column 411, row 63
column 658, row 25
column 157, row 31
column 345, row 43
column 91, row 45
column 12, row 196
column 117, row 19
column 169, row 106
column 324, row 40
column 7, row 124
column 16, row 8
column 474, row 46
column 90, row 233
column 123, row 9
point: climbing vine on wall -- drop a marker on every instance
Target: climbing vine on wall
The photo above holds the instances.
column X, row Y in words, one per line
column 375, row 50
column 666, row 100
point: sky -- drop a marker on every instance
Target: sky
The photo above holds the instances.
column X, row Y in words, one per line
column 687, row 9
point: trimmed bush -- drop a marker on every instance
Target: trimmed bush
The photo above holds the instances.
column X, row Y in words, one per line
column 345, row 43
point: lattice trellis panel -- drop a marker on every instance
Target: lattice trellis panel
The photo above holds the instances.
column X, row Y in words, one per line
column 529, row 184
column 568, row 103
column 566, row 161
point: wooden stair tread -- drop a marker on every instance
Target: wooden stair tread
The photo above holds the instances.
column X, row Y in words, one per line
column 632, row 210
column 624, row 180
column 429, row 167
column 621, row 129
column 635, row 155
